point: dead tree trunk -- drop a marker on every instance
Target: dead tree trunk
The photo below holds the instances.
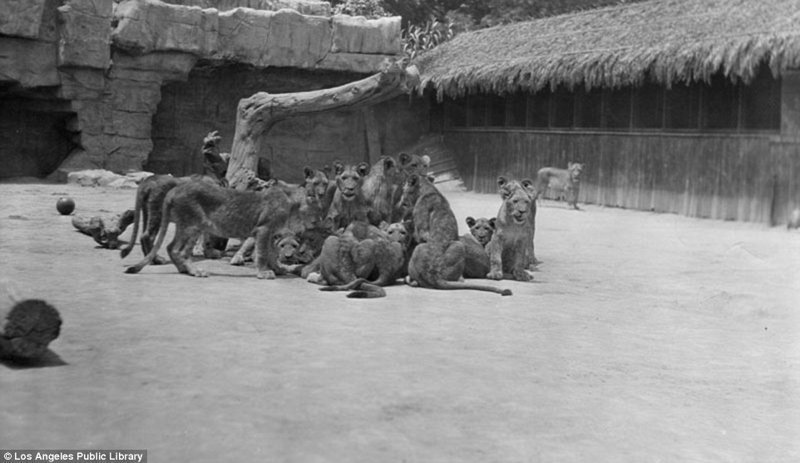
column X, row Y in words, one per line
column 256, row 114
column 26, row 326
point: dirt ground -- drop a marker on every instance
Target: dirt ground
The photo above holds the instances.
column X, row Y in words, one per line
column 645, row 338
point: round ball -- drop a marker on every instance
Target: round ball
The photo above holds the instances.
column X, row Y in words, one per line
column 65, row 206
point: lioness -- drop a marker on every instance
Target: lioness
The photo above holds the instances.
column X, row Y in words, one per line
column 314, row 196
column 379, row 188
column 149, row 201
column 408, row 164
column 198, row 207
column 438, row 261
column 566, row 182
column 511, row 247
column 476, row 260
column 348, row 202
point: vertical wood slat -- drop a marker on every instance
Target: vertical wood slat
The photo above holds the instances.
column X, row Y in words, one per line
column 717, row 176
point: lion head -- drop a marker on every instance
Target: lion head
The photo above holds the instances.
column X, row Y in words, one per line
column 316, row 183
column 518, row 199
column 397, row 232
column 287, row 245
column 349, row 178
column 574, row 169
column 482, row 229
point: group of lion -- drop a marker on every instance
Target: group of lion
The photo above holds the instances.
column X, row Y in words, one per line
column 354, row 227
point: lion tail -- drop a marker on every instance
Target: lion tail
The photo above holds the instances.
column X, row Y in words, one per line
column 360, row 289
column 445, row 284
column 137, row 212
column 162, row 233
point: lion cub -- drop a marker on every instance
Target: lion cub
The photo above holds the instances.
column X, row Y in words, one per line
column 566, row 182
column 364, row 258
column 476, row 260
column 438, row 261
column 511, row 247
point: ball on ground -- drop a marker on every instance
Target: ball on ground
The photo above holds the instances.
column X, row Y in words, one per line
column 65, row 206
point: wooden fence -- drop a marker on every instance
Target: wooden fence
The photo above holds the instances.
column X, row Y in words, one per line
column 727, row 176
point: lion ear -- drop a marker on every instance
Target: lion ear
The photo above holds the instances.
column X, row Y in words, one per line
column 308, row 172
column 470, row 221
column 338, row 167
column 388, row 162
column 493, row 222
column 501, row 181
column 529, row 185
column 362, row 169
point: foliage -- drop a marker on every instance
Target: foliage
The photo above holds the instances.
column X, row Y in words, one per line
column 367, row 8
column 419, row 39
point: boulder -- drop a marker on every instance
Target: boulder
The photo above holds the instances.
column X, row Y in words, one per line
column 356, row 34
column 85, row 33
column 21, row 18
column 266, row 38
column 145, row 26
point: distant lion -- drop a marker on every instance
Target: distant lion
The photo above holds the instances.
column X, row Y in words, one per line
column 476, row 260
column 511, row 247
column 198, row 207
column 565, row 182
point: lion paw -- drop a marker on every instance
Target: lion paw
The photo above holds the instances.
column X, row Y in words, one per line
column 237, row 259
column 495, row 275
column 265, row 275
column 316, row 278
column 199, row 273
column 522, row 275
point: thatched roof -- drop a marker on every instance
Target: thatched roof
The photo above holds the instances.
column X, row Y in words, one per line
column 665, row 41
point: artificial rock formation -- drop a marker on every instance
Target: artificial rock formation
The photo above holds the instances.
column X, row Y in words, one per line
column 101, row 64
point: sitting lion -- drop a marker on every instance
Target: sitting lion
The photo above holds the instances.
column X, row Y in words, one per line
column 437, row 262
column 566, row 182
column 511, row 247
column 476, row 260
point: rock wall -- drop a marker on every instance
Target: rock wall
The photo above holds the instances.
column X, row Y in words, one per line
column 107, row 62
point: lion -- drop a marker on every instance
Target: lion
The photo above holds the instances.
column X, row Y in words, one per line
column 151, row 192
column 147, row 210
column 511, row 250
column 438, row 260
column 379, row 189
column 476, row 260
column 363, row 259
column 349, row 203
column 314, row 195
column 408, row 164
column 566, row 182
column 198, row 207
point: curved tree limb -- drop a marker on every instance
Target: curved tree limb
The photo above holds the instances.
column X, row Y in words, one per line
column 256, row 114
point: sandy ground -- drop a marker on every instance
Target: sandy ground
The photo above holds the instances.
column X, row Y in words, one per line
column 645, row 338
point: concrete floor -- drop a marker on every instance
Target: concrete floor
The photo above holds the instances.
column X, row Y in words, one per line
column 645, row 337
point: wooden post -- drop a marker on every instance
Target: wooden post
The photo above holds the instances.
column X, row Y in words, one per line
column 372, row 136
column 257, row 114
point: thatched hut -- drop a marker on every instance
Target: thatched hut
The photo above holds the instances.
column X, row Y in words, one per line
column 685, row 106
